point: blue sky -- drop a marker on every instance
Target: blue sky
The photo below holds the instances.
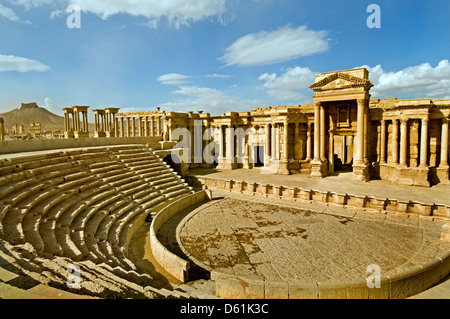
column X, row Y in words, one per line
column 215, row 55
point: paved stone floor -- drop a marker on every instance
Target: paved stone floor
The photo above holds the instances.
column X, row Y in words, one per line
column 342, row 182
column 259, row 238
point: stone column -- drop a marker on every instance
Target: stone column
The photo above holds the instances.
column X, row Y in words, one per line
column 274, row 139
column 395, row 141
column 146, row 125
column 361, row 167
column 283, row 165
column 322, row 133
column 128, row 121
column 68, row 130
column 424, row 143
column 96, row 126
column 152, row 126
column 383, row 142
column 444, row 143
column 2, row 130
column 221, row 143
column 133, row 127
column 158, row 125
column 268, row 144
column 116, row 126
column 122, row 127
column 331, row 153
column 443, row 169
column 285, row 140
column 403, row 141
column 317, row 131
column 308, row 143
column 359, row 154
column 296, row 142
column 366, row 128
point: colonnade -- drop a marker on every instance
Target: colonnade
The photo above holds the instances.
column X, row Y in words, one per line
column 139, row 125
column 105, row 122
column 76, row 127
column 399, row 142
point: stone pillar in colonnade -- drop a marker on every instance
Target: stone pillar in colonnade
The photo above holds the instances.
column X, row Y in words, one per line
column 2, row 130
column 360, row 167
column 81, row 126
column 68, row 127
column 443, row 169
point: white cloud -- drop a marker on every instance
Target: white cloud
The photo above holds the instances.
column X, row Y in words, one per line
column 434, row 82
column 19, row 64
column 219, row 76
column 293, row 79
column 177, row 12
column 173, row 79
column 31, row 3
column 284, row 44
column 285, row 86
column 8, row 13
column 209, row 100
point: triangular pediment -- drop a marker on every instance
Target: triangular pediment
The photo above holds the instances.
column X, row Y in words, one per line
column 340, row 80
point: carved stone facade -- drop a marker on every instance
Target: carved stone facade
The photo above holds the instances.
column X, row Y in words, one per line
column 403, row 141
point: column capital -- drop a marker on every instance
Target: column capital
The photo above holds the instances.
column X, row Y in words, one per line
column 445, row 120
column 425, row 121
column 361, row 102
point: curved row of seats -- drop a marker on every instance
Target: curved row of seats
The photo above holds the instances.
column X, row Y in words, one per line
column 77, row 206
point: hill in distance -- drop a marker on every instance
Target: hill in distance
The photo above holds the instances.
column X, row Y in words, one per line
column 30, row 113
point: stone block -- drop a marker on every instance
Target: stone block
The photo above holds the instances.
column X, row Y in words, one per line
column 276, row 290
column 233, row 287
column 407, row 283
column 304, row 194
column 334, row 290
column 302, row 291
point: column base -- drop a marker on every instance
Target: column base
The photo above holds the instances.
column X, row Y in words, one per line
column 68, row 135
column 361, row 172
column 283, row 168
column 319, row 168
column 227, row 164
column 403, row 175
column 246, row 163
column 443, row 174
column 80, row 134
column 99, row 134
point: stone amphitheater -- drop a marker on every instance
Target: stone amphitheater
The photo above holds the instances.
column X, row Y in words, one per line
column 95, row 209
column 80, row 207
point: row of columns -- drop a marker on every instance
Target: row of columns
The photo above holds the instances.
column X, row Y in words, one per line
column 147, row 126
column 401, row 158
column 273, row 149
column 76, row 127
column 105, row 123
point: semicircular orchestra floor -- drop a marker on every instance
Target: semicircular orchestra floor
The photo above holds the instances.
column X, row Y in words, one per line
column 256, row 237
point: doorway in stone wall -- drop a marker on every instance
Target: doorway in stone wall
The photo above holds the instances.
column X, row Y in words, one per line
column 259, row 156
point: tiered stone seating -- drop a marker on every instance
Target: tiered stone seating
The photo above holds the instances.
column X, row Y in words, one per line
column 77, row 207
